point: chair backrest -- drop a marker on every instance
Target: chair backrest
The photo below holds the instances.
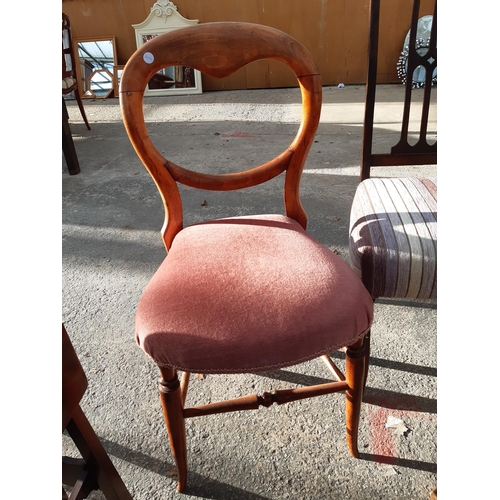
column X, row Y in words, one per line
column 403, row 153
column 68, row 58
column 218, row 50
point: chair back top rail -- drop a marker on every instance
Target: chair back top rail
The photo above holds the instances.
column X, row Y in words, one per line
column 402, row 153
column 218, row 50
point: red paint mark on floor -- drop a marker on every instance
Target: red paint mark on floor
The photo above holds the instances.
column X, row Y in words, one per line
column 381, row 438
column 383, row 441
column 239, row 134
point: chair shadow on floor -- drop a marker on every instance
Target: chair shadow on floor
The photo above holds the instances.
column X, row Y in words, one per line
column 206, row 487
column 373, row 396
column 382, row 398
column 199, row 486
column 400, row 462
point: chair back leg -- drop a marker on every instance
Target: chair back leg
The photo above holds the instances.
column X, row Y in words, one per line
column 80, row 105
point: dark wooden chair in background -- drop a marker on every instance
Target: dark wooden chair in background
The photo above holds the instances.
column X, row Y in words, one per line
column 393, row 225
column 94, row 470
column 243, row 294
column 69, row 78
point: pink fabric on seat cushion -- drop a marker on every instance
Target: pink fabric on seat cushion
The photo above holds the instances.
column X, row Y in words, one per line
column 248, row 294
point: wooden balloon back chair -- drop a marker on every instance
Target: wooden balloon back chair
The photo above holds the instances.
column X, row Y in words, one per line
column 69, row 78
column 241, row 294
column 393, row 225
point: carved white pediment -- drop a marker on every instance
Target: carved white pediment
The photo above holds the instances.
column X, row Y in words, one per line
column 163, row 9
column 164, row 16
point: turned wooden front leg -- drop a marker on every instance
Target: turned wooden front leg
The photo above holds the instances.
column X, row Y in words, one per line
column 171, row 401
column 355, row 378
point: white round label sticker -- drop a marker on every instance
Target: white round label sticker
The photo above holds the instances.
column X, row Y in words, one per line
column 148, row 57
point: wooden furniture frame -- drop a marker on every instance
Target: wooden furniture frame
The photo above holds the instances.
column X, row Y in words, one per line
column 69, row 67
column 117, row 75
column 403, row 153
column 218, row 50
column 81, row 77
column 68, row 145
column 95, row 469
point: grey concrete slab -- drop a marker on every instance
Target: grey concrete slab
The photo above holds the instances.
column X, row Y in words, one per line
column 112, row 217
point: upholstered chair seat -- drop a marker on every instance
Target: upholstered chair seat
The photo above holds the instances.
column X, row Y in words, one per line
column 68, row 82
column 393, row 242
column 285, row 299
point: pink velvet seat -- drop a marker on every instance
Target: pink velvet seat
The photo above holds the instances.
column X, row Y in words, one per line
column 242, row 294
column 286, row 299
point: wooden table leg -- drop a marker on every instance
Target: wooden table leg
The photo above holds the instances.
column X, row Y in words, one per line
column 98, row 465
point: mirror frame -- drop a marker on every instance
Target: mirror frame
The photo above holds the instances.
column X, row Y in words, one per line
column 117, row 74
column 81, row 86
column 162, row 19
column 424, row 26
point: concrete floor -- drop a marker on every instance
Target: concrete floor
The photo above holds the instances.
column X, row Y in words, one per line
column 112, row 216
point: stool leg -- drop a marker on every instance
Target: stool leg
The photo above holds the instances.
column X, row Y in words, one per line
column 355, row 378
column 171, row 401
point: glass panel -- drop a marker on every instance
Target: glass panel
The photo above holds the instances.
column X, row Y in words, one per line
column 172, row 77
